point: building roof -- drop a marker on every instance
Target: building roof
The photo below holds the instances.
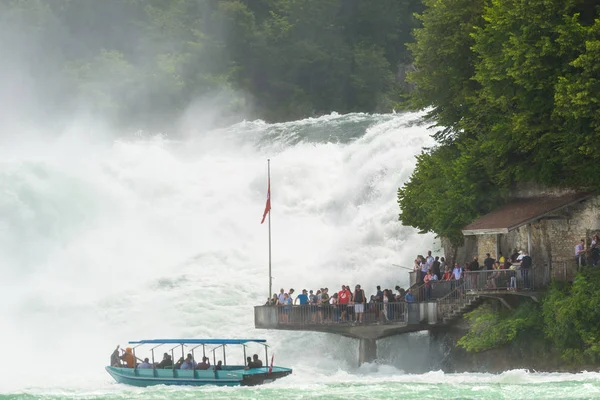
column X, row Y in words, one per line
column 520, row 212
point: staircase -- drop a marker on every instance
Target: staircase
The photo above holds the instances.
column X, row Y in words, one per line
column 470, row 303
column 455, row 304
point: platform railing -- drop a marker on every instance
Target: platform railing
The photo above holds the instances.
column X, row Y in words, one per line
column 508, row 279
column 317, row 315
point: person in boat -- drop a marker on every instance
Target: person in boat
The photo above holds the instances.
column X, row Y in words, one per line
column 205, row 364
column 128, row 358
column 166, row 361
column 179, row 363
column 146, row 364
column 249, row 363
column 256, row 361
column 189, row 363
column 219, row 366
column 115, row 360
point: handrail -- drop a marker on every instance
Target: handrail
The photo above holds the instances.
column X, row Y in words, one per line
column 447, row 304
column 532, row 278
column 327, row 314
column 456, row 289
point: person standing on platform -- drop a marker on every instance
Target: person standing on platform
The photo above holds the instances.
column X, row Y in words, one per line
column 359, row 304
column 526, row 263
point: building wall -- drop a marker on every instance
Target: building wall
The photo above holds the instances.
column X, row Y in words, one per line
column 462, row 254
column 553, row 241
column 486, row 244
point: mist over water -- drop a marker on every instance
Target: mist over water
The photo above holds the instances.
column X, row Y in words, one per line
column 106, row 242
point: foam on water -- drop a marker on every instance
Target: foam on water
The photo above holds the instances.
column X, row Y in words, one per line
column 151, row 237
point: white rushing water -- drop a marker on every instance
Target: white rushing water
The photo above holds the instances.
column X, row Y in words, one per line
column 149, row 237
column 146, row 237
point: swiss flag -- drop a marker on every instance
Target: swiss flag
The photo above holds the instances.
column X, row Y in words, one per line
column 268, row 205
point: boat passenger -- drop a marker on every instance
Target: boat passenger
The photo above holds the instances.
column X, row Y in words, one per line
column 146, row 364
column 219, row 366
column 128, row 358
column 205, row 364
column 189, row 363
column 256, row 361
column 249, row 363
column 166, row 361
column 179, row 363
column 115, row 360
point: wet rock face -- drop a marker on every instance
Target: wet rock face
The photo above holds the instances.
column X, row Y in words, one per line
column 532, row 355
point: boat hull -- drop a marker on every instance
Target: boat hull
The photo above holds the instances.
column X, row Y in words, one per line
column 231, row 376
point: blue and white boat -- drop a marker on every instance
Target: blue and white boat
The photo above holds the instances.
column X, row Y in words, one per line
column 227, row 375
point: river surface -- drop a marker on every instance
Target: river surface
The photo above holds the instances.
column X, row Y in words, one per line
column 105, row 241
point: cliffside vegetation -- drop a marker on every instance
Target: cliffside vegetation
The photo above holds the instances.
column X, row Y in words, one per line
column 142, row 62
column 566, row 323
column 514, row 87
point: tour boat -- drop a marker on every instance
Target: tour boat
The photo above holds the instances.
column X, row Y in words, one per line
column 227, row 375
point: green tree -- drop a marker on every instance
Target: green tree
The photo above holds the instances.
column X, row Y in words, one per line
column 572, row 317
column 445, row 62
column 514, row 84
column 491, row 328
column 444, row 192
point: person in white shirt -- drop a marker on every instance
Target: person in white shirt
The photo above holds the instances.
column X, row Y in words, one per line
column 281, row 296
column 145, row 365
column 429, row 260
column 457, row 272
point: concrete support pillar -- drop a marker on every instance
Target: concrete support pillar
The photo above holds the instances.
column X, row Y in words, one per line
column 367, row 351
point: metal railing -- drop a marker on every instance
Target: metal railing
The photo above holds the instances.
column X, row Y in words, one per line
column 317, row 315
column 507, row 279
column 480, row 282
column 453, row 301
column 433, row 290
column 564, row 271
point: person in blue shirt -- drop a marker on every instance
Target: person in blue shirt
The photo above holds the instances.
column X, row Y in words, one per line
column 189, row 363
column 408, row 297
column 303, row 298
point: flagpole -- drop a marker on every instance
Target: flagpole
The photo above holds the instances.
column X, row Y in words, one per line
column 270, row 278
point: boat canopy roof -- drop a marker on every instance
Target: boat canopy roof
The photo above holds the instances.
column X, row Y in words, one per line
column 197, row 341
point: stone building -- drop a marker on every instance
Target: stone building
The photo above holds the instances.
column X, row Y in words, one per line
column 546, row 223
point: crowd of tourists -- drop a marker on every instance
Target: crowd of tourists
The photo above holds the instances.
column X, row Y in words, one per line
column 345, row 305
column 128, row 360
column 502, row 272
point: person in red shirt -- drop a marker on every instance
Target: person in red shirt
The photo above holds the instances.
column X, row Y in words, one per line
column 447, row 274
column 343, row 300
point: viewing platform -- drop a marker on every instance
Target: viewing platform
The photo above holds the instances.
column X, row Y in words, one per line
column 437, row 306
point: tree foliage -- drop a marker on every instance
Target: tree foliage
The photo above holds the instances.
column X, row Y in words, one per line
column 514, row 85
column 567, row 322
column 144, row 61
column 572, row 317
column 491, row 329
